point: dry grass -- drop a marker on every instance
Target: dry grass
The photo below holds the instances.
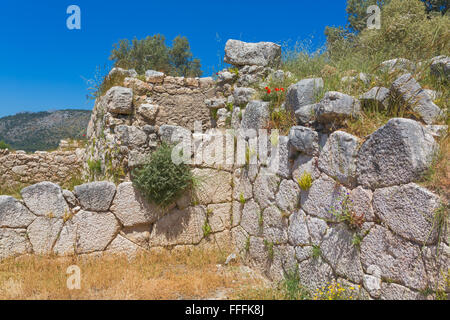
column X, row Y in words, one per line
column 437, row 178
column 187, row 274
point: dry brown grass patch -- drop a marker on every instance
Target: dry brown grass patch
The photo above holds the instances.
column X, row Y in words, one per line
column 166, row 275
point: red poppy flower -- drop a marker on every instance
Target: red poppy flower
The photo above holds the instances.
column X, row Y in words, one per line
column 282, row 89
column 276, row 89
column 268, row 91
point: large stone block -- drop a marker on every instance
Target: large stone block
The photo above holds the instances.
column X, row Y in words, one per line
column 215, row 186
column 336, row 107
column 408, row 91
column 45, row 199
column 397, row 153
column 14, row 214
column 304, row 140
column 179, row 227
column 131, row 208
column 94, row 230
column 400, row 261
column 241, row 53
column 256, row 115
column 43, row 233
column 408, row 210
column 13, row 242
column 303, row 93
column 95, row 196
column 338, row 157
column 119, row 100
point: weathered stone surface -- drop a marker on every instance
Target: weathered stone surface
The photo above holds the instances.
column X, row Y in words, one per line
column 399, row 260
column 324, row 196
column 338, row 157
column 303, row 93
column 121, row 245
column 236, row 214
column 243, row 95
column 303, row 253
column 256, row 115
column 317, row 229
column 399, row 64
column 215, row 186
column 298, row 229
column 95, row 196
column 119, row 100
column 288, row 196
column 440, row 67
column 219, row 216
column 13, row 242
column 393, row 291
column 130, row 136
column 274, row 225
column 397, row 153
column 361, row 200
column 280, row 162
column 338, row 250
column 70, row 198
column 172, row 134
column 66, row 243
column 13, row 214
column 239, row 238
column 315, row 273
column 306, row 115
column 95, row 230
column 148, row 111
column 240, row 53
column 215, row 103
column 258, row 254
column 409, row 91
column 131, row 208
column 372, row 285
column 154, row 76
column 45, row 199
column 179, row 227
column 409, row 211
column 437, row 130
column 242, row 185
column 304, row 140
column 377, row 97
column 283, row 262
column 122, row 72
column 303, row 165
column 250, row 220
column 437, row 264
column 139, row 235
column 336, row 106
column 265, row 187
column 43, row 233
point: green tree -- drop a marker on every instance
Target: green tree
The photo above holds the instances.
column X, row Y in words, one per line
column 357, row 12
column 152, row 53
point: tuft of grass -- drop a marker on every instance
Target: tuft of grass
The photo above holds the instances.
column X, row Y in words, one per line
column 316, row 252
column 12, row 190
column 305, row 181
column 269, row 247
column 292, row 288
column 242, row 198
column 206, row 229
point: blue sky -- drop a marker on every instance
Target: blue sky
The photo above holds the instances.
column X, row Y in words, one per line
column 43, row 63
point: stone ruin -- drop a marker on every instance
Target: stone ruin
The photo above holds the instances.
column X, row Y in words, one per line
column 361, row 220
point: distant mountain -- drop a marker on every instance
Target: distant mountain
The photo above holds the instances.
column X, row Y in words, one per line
column 31, row 131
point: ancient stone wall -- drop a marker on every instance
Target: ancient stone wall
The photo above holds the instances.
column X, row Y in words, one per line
column 20, row 168
column 324, row 203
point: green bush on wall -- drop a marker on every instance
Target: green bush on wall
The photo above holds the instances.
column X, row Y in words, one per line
column 160, row 180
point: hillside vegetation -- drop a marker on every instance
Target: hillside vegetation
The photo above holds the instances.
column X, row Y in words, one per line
column 43, row 130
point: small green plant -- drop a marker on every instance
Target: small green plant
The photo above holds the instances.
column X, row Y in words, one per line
column 161, row 180
column 95, row 167
column 269, row 247
column 214, row 115
column 305, row 181
column 230, row 106
column 316, row 252
column 356, row 241
column 260, row 219
column 242, row 198
column 247, row 244
column 292, row 287
column 206, row 229
column 4, row 145
column 344, row 212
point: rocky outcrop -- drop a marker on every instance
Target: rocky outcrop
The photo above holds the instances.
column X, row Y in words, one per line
column 241, row 53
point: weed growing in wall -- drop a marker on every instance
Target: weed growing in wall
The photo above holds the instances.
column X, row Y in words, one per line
column 344, row 212
column 160, row 180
